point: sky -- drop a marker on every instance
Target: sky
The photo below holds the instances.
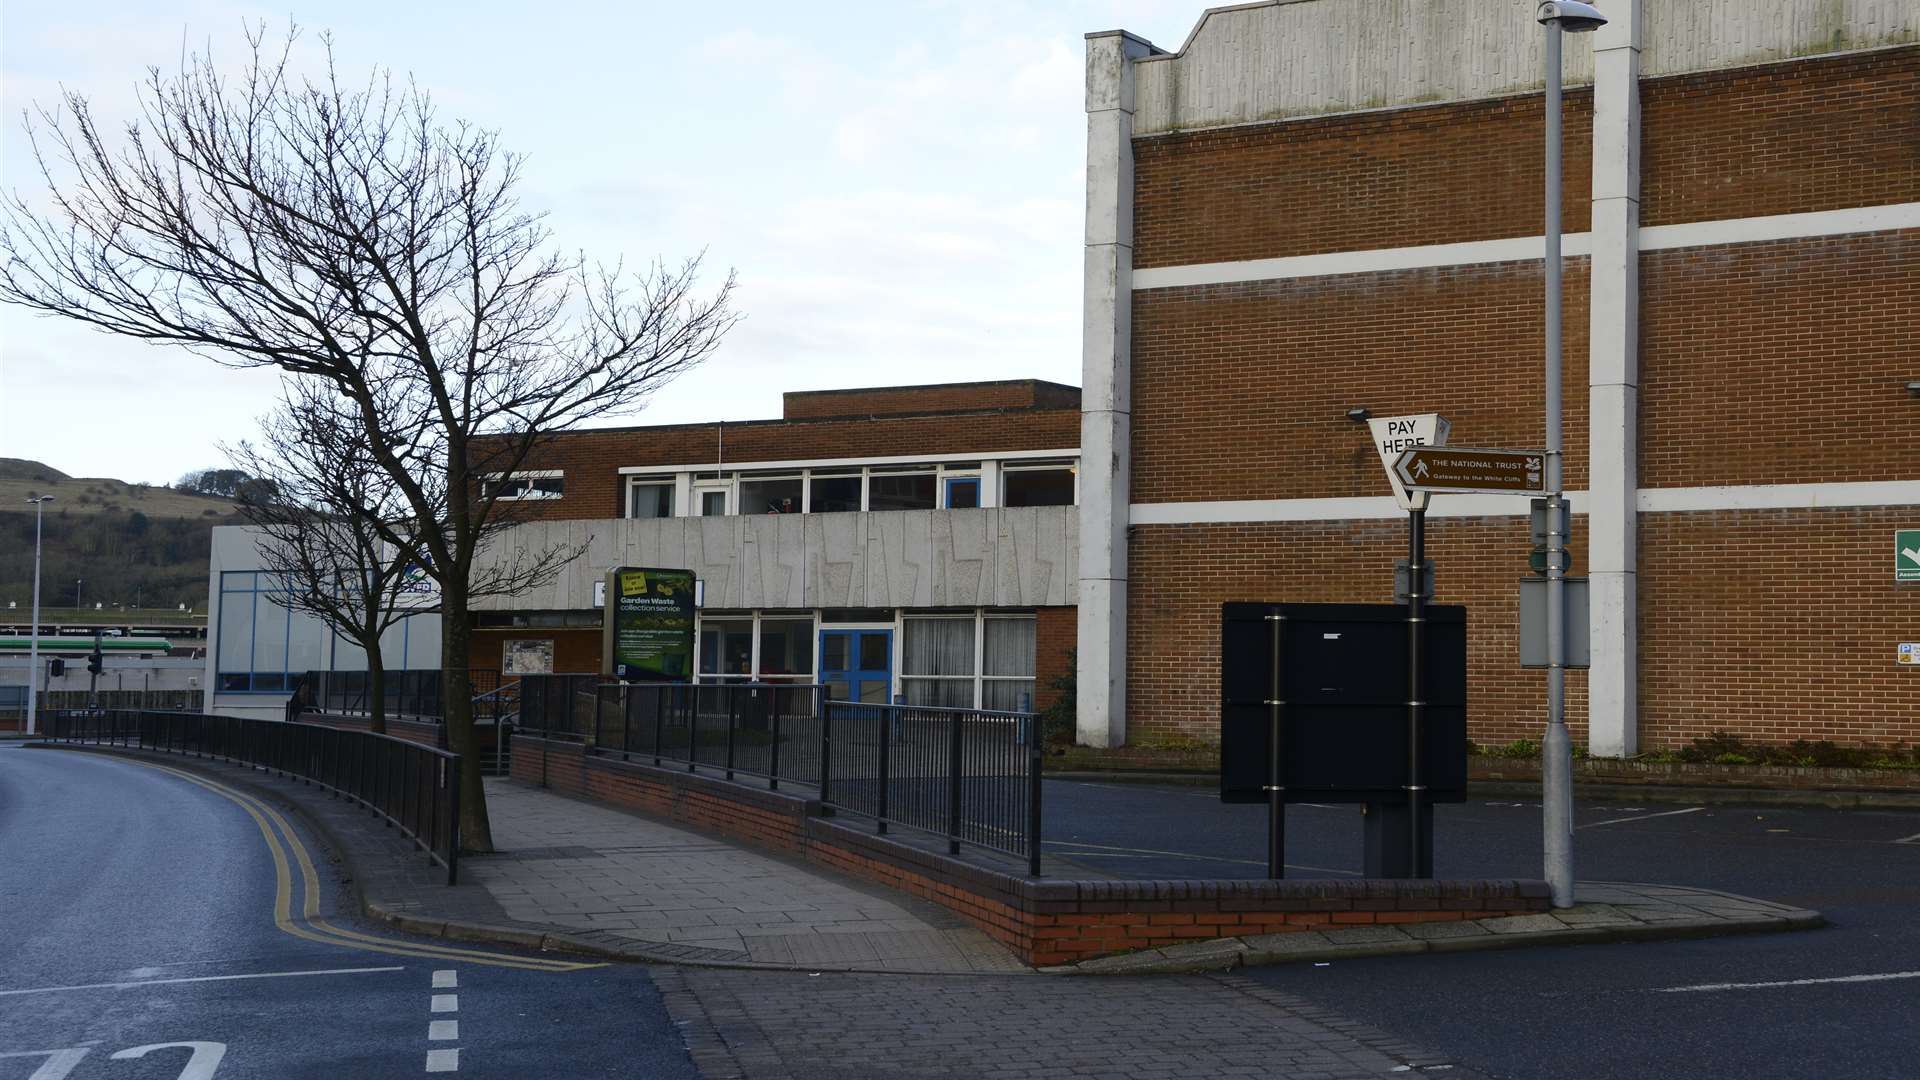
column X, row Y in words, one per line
column 899, row 187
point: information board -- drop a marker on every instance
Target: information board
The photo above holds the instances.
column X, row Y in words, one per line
column 648, row 635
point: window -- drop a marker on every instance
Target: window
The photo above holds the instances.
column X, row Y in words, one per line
column 1007, row 670
column 541, row 485
column 900, row 491
column 726, row 647
column 833, row 493
column 262, row 644
column 770, row 494
column 786, row 649
column 937, row 663
column 711, row 498
column 963, row 492
column 650, row 499
column 1048, row 486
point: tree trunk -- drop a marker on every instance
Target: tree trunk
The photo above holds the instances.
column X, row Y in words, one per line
column 376, row 690
column 456, row 637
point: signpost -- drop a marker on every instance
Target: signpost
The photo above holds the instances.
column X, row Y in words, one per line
column 1453, row 470
column 649, row 625
column 1906, row 555
column 1395, row 435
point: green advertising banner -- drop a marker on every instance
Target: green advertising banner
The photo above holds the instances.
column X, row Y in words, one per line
column 649, row 625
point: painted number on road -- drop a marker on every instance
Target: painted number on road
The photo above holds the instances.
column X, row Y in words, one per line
column 203, row 1058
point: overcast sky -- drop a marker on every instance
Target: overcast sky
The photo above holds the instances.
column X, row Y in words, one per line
column 899, row 186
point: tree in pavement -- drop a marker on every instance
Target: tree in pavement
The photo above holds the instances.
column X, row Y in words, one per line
column 328, row 515
column 346, row 234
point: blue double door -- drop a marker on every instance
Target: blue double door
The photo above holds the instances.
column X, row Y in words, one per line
column 857, row 665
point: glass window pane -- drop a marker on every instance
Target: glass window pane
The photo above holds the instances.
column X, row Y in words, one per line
column 1007, row 695
column 269, row 635
column 650, row 501
column 938, row 693
column 833, row 651
column 1009, row 647
column 713, row 503
column 771, row 496
column 963, row 493
column 1039, row 487
column 876, row 652
column 834, row 494
column 939, row 647
column 874, row 692
column 786, row 646
column 900, row 491
column 726, row 647
column 837, row 690
column 236, row 631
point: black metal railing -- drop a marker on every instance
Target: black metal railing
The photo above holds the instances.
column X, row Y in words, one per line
column 415, row 788
column 412, row 693
column 969, row 775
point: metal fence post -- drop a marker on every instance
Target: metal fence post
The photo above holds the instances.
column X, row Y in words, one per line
column 773, row 750
column 826, row 746
column 953, row 787
column 660, row 718
column 886, row 772
column 733, row 722
column 1034, row 759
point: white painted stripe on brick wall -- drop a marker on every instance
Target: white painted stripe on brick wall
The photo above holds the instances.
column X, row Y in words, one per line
column 1519, row 249
column 1651, row 500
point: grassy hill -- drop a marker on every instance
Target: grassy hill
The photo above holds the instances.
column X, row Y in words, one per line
column 129, row 543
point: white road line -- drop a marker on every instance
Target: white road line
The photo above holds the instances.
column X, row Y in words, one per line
column 1642, row 817
column 443, row 1060
column 446, row 979
column 443, row 1031
column 1706, row 987
column 446, row 1003
column 1914, row 839
column 198, row 979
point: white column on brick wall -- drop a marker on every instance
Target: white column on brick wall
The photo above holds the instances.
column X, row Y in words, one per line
column 1614, row 385
column 1106, row 409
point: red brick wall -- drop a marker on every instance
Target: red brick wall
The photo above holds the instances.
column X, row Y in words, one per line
column 1780, row 363
column 592, row 459
column 575, row 650
column 1241, row 391
column 1777, row 625
column 1816, row 134
column 1436, row 174
column 1056, row 631
column 925, row 400
column 1180, row 574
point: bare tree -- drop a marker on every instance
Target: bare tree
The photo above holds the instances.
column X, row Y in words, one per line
column 326, row 511
column 344, row 233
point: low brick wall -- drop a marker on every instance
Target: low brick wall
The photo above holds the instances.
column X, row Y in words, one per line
column 411, row 730
column 1703, row 774
column 1043, row 920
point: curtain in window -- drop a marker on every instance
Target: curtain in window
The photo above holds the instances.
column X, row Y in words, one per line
column 1010, row 651
column 938, row 647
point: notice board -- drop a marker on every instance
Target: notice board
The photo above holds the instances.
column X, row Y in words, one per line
column 647, row 633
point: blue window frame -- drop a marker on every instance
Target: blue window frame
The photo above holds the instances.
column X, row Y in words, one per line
column 255, row 637
column 963, row 492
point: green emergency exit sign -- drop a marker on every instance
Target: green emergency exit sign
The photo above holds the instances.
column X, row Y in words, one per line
column 1906, row 555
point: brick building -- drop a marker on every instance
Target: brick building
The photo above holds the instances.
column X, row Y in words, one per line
column 914, row 541
column 1319, row 205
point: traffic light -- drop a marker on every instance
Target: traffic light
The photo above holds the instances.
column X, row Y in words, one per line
column 56, row 667
column 96, row 661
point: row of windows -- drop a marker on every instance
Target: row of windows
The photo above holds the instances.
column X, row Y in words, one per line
column 845, row 490
column 261, row 645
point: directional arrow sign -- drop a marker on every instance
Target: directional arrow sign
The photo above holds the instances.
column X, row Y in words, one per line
column 1446, row 469
column 1393, row 435
column 1906, row 555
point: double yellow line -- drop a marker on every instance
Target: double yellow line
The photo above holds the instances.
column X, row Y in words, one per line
column 308, row 925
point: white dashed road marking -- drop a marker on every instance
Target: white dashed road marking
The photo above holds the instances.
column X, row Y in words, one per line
column 1642, row 817
column 443, row 1060
column 446, row 979
column 443, row 1031
column 1708, row 987
column 446, row 1003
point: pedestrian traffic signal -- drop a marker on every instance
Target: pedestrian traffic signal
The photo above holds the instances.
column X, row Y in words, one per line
column 96, row 661
column 56, row 667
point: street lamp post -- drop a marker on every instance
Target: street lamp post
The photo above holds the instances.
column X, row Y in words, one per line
column 1556, row 748
column 33, row 635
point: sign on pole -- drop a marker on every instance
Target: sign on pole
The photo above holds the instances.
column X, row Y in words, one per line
column 1501, row 472
column 649, row 625
column 1906, row 555
column 1394, row 435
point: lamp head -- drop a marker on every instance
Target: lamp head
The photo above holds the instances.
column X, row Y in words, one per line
column 1360, row 414
column 1571, row 16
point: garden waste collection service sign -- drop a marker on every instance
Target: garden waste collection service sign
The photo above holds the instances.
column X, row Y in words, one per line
column 648, row 635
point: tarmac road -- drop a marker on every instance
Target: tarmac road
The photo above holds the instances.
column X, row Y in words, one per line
column 139, row 940
column 1838, row 1002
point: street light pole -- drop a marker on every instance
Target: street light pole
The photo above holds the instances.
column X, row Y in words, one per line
column 33, row 635
column 1556, row 747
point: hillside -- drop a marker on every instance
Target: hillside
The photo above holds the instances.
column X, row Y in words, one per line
column 128, row 543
